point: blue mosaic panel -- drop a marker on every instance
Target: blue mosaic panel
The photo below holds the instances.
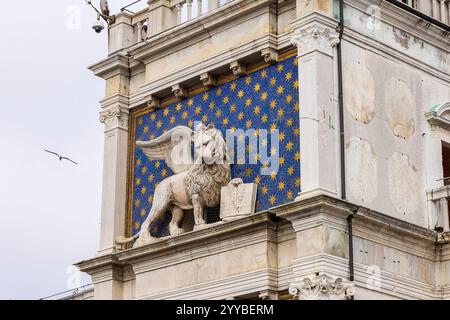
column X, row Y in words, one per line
column 265, row 99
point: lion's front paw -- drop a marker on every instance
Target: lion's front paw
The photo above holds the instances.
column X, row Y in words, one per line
column 143, row 240
column 175, row 230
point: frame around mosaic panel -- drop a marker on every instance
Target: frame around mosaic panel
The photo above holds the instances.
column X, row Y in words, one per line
column 266, row 98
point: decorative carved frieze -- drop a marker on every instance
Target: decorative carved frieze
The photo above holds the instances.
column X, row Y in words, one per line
column 270, row 55
column 179, row 91
column 315, row 37
column 114, row 118
column 207, row 79
column 322, row 287
column 238, row 68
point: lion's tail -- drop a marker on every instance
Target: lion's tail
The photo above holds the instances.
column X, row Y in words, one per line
column 121, row 240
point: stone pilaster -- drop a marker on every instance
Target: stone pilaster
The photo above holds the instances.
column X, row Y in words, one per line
column 316, row 38
column 114, row 115
column 321, row 235
column 115, row 119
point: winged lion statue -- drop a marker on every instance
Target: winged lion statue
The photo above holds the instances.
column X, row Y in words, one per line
column 196, row 183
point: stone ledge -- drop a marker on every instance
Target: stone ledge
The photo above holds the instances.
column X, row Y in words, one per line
column 290, row 211
column 215, row 233
column 257, row 237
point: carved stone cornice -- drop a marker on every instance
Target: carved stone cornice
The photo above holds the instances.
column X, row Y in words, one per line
column 111, row 66
column 315, row 37
column 322, row 287
column 115, row 118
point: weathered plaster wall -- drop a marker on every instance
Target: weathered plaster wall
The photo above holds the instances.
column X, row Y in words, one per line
column 385, row 98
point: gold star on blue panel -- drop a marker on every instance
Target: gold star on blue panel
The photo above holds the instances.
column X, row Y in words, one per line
column 265, row 99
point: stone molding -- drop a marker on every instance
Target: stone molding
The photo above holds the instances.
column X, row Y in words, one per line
column 402, row 19
column 208, row 65
column 204, row 241
column 264, row 280
column 111, row 66
column 113, row 101
column 391, row 283
column 368, row 225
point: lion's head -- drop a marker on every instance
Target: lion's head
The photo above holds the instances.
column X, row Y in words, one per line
column 209, row 144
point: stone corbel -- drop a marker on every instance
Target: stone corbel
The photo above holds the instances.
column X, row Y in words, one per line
column 270, row 55
column 238, row 68
column 268, row 295
column 207, row 79
column 115, row 118
column 153, row 102
column 179, row 91
column 315, row 37
column 322, row 287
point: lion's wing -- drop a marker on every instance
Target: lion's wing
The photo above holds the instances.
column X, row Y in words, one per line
column 173, row 146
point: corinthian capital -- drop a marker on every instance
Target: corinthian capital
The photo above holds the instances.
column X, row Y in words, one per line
column 115, row 118
column 315, row 37
column 322, row 287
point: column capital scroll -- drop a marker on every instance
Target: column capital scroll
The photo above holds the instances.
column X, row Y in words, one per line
column 315, row 37
column 114, row 118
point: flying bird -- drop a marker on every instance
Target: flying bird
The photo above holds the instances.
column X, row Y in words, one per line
column 60, row 157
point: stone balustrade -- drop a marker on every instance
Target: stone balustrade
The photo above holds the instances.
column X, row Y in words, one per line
column 189, row 9
column 437, row 9
column 161, row 15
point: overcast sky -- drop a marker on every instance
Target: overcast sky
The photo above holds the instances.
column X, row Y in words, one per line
column 49, row 210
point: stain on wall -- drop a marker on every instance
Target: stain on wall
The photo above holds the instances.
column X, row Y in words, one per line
column 362, row 170
column 404, row 187
column 400, row 108
column 359, row 92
